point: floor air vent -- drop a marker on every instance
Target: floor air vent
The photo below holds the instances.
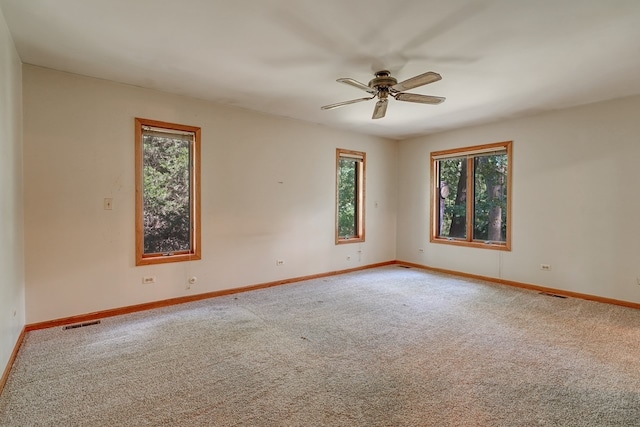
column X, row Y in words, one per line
column 80, row 325
column 552, row 295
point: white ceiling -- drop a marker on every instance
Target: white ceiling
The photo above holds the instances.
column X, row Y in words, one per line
column 498, row 58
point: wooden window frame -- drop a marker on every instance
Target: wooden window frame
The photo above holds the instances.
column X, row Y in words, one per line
column 195, row 253
column 361, row 183
column 471, row 153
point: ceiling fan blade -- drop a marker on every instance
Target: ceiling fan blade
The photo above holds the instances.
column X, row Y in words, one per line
column 340, row 104
column 380, row 110
column 421, row 99
column 355, row 83
column 421, row 80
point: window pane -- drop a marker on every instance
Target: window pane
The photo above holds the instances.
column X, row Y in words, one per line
column 347, row 197
column 166, row 193
column 490, row 204
column 452, row 202
column 471, row 196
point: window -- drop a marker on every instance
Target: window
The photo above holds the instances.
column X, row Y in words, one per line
column 471, row 190
column 350, row 167
column 167, row 192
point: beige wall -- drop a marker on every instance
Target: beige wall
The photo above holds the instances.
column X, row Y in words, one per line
column 79, row 147
column 12, row 286
column 575, row 201
column 575, row 181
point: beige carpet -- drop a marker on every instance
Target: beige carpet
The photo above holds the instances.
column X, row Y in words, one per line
column 383, row 347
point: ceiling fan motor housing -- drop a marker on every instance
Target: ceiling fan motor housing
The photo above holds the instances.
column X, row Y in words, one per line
column 382, row 81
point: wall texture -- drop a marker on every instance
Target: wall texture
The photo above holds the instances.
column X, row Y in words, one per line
column 575, row 201
column 268, row 193
column 12, row 282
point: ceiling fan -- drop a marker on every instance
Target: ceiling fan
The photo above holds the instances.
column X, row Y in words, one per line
column 383, row 85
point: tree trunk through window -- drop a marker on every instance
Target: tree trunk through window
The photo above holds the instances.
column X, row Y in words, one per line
column 494, row 190
column 459, row 219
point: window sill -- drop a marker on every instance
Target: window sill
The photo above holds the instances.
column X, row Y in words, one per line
column 161, row 259
column 343, row 240
column 497, row 246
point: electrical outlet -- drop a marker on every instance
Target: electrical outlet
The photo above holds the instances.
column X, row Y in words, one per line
column 280, row 262
column 147, row 280
column 108, row 204
column 348, row 258
column 545, row 267
column 420, row 249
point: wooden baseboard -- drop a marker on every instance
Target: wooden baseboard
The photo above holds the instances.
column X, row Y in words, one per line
column 12, row 359
column 525, row 285
column 190, row 298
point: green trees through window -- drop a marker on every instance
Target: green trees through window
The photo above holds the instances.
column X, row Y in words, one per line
column 348, row 198
column 167, row 207
column 471, row 196
column 490, row 197
column 350, row 167
column 167, row 192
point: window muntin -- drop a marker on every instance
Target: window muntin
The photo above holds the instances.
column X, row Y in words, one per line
column 167, row 192
column 471, row 196
column 350, row 176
